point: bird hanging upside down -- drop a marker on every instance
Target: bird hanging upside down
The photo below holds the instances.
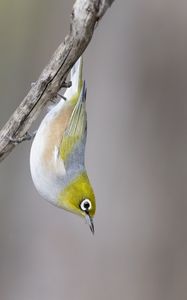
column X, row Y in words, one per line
column 57, row 158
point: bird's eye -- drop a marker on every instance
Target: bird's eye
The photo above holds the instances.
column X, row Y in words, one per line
column 85, row 205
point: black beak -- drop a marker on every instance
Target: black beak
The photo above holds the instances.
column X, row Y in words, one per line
column 89, row 221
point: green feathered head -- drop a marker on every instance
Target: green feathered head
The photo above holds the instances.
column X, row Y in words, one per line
column 78, row 197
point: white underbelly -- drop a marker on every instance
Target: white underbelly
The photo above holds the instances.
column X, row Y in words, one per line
column 47, row 175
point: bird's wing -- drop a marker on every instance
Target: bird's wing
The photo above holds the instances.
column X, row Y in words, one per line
column 76, row 128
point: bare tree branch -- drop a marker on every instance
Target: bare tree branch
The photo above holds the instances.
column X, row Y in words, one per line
column 84, row 16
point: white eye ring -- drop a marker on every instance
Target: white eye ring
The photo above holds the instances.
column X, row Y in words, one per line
column 86, row 205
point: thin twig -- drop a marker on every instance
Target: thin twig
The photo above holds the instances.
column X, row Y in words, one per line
column 84, row 16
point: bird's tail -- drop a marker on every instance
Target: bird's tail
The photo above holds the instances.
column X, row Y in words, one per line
column 76, row 75
column 76, row 80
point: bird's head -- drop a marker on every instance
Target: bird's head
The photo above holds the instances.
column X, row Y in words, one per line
column 78, row 197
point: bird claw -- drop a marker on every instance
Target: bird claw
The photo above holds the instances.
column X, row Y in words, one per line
column 61, row 96
column 66, row 84
column 26, row 137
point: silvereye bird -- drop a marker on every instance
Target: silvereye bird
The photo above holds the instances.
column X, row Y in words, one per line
column 57, row 158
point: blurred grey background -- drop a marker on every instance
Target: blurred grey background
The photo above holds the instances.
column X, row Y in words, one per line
column 136, row 72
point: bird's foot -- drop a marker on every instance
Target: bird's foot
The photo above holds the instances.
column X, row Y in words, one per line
column 26, row 137
column 66, row 84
